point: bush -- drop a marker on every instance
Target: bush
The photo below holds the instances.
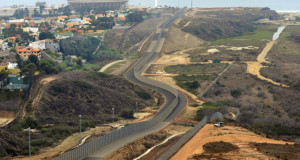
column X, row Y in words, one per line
column 83, row 84
column 235, row 93
column 143, row 95
column 127, row 113
column 28, row 121
column 59, row 131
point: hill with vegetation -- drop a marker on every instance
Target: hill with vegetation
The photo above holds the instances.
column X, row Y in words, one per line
column 55, row 103
column 213, row 25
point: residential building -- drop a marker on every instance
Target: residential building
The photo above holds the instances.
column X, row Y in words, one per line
column 52, row 46
column 15, row 82
column 31, row 29
column 3, row 66
column 46, row 44
column 38, row 44
column 25, row 52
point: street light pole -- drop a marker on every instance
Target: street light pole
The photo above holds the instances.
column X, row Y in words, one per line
column 29, row 143
column 113, row 109
column 80, row 128
column 136, row 106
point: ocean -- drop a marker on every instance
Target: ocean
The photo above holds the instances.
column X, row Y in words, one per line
column 278, row 5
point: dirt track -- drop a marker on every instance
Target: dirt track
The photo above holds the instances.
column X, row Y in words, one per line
column 255, row 67
column 236, row 135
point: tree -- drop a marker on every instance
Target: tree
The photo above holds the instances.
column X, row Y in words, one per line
column 36, row 13
column 46, row 35
column 134, row 17
column 33, row 59
column 29, row 69
column 47, row 66
column 42, row 8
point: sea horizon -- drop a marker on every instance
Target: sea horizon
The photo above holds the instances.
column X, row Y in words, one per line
column 277, row 5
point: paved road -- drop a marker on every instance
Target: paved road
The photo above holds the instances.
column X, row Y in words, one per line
column 150, row 55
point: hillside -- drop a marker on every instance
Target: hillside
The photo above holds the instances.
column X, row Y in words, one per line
column 213, row 25
column 55, row 103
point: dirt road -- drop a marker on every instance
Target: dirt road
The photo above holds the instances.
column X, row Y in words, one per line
column 110, row 64
column 255, row 67
column 236, row 135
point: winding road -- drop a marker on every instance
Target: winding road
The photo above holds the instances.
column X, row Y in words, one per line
column 134, row 74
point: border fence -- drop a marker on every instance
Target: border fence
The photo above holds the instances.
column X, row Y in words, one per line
column 99, row 143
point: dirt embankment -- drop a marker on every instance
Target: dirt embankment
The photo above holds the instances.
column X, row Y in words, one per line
column 6, row 117
column 240, row 137
column 177, row 40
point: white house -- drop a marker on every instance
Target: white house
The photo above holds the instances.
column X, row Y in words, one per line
column 13, row 65
column 38, row 44
column 31, row 29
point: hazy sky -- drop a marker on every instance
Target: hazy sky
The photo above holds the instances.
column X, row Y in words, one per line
column 273, row 4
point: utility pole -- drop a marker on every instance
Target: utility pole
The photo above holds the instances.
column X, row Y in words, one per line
column 29, row 143
column 80, row 128
column 191, row 3
column 113, row 109
column 136, row 106
column 156, row 3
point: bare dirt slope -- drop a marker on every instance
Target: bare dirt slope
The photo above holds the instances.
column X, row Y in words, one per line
column 236, row 135
column 6, row 117
column 177, row 40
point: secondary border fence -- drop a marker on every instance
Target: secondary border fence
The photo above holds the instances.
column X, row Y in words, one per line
column 185, row 138
column 99, row 143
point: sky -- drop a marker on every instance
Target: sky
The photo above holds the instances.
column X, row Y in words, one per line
column 278, row 5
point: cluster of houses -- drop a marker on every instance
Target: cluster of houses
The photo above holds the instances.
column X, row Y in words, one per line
column 13, row 80
column 62, row 27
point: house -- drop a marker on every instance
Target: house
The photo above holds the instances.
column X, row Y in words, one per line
column 51, row 45
column 38, row 44
column 15, row 83
column 31, row 29
column 25, row 52
column 3, row 66
column 13, row 68
column 12, row 39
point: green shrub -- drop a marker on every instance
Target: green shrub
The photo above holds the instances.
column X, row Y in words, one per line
column 143, row 95
column 83, row 84
column 29, row 121
column 58, row 89
column 235, row 93
column 59, row 131
column 39, row 143
column 127, row 113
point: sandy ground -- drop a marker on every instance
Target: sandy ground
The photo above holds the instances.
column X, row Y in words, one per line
column 66, row 145
column 122, row 68
column 255, row 67
column 171, row 82
column 110, row 64
column 236, row 135
column 6, row 117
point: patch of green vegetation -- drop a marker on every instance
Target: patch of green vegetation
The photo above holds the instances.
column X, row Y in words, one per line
column 96, row 75
column 208, row 105
column 236, row 93
column 143, row 95
column 127, row 113
column 83, row 84
column 196, row 68
column 256, row 38
column 190, row 82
